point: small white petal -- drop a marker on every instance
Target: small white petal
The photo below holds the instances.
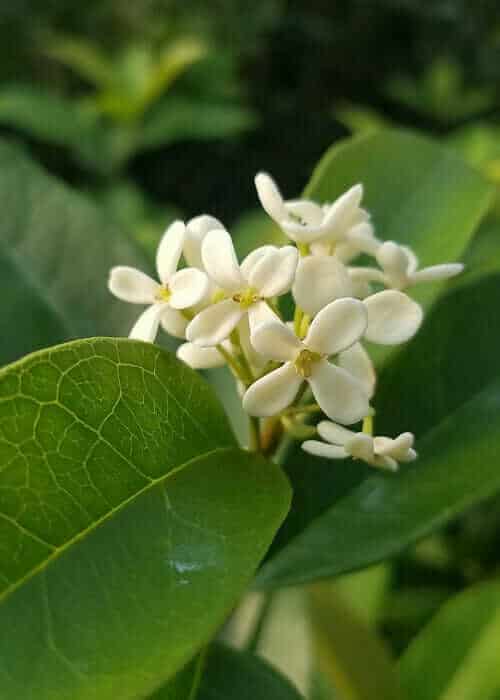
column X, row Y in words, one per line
column 342, row 214
column 360, row 446
column 270, row 196
column 261, row 313
column 276, row 341
column 173, row 322
column 336, row 434
column 338, row 326
column 146, row 326
column 196, row 230
column 256, row 360
column 200, row 358
column 395, row 262
column 361, row 279
column 129, row 284
column 363, row 238
column 319, row 281
column 219, row 260
column 273, row 392
column 273, row 274
column 339, row 395
column 306, row 212
column 437, row 272
column 170, row 250
column 188, row 287
column 322, row 449
column 253, row 258
column 397, row 448
column 357, row 362
column 215, row 323
column 393, row 317
column 412, row 259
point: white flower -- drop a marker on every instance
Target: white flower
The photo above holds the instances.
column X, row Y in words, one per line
column 319, row 281
column 196, row 230
column 382, row 452
column 337, row 327
column 266, row 273
column 305, row 221
column 202, row 358
column 349, row 242
column 400, row 268
column 177, row 290
column 393, row 317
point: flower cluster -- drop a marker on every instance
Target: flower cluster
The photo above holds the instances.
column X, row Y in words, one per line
column 231, row 313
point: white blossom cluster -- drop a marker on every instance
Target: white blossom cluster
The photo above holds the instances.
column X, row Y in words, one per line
column 228, row 312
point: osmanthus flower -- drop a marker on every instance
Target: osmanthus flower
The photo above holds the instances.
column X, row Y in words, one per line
column 336, row 327
column 305, row 221
column 381, row 452
column 176, row 291
column 243, row 289
column 399, row 268
column 196, row 230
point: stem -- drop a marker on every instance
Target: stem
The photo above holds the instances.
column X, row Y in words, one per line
column 254, row 434
column 235, row 366
column 256, row 633
column 297, row 410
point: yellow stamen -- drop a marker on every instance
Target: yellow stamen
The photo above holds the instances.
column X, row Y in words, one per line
column 163, row 293
column 305, row 361
column 246, row 297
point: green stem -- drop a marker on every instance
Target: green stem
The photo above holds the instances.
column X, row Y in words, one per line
column 198, row 673
column 254, row 434
column 297, row 410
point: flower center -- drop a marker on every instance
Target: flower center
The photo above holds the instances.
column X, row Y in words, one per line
column 304, row 362
column 246, row 297
column 163, row 293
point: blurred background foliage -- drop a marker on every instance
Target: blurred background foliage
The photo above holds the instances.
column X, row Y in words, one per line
column 158, row 109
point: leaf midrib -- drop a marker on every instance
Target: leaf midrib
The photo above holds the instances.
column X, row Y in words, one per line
column 58, row 551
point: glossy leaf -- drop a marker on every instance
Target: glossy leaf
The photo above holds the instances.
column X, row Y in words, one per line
column 447, row 386
column 228, row 674
column 129, row 522
column 456, row 654
column 56, row 249
column 349, row 655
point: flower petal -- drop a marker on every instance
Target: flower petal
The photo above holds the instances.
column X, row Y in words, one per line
column 331, row 432
column 188, row 287
column 399, row 448
column 270, row 196
column 273, row 274
column 260, row 312
column 129, row 284
column 320, row 280
column 343, row 213
column 307, row 213
column 214, row 324
column 360, row 446
column 196, row 230
column 437, row 272
column 253, row 258
column 338, row 326
column 146, row 326
column 395, row 261
column 357, row 362
column 322, row 449
column 273, row 392
column 339, row 395
column 362, row 236
column 173, row 322
column 170, row 250
column 199, row 358
column 393, row 317
column 276, row 341
column 219, row 260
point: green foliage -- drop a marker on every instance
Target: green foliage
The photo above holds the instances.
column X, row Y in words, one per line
column 130, row 523
column 56, row 250
column 456, row 654
column 230, row 675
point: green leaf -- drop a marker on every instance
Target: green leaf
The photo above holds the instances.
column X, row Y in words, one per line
column 129, row 522
column 56, row 249
column 456, row 654
column 445, row 386
column 349, row 655
column 45, row 115
column 176, row 119
column 227, row 674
